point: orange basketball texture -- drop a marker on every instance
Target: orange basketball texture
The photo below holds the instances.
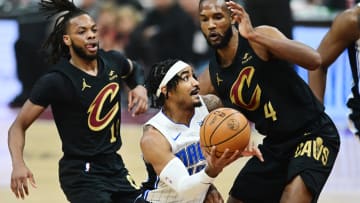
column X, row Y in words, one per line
column 225, row 128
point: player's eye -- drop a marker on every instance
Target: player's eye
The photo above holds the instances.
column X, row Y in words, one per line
column 185, row 78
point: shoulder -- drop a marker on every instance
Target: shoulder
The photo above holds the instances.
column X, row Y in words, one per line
column 150, row 136
column 346, row 25
column 349, row 17
column 116, row 59
column 53, row 77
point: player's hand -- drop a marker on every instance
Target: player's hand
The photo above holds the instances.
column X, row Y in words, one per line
column 137, row 100
column 252, row 149
column 216, row 164
column 213, row 195
column 239, row 14
column 20, row 177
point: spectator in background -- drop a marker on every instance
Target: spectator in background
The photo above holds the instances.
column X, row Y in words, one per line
column 90, row 6
column 274, row 13
column 163, row 34
column 134, row 3
column 30, row 60
column 116, row 23
column 106, row 20
column 127, row 18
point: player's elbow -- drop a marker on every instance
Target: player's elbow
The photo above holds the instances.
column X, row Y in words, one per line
column 315, row 62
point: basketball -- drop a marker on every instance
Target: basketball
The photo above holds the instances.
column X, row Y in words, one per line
column 225, row 128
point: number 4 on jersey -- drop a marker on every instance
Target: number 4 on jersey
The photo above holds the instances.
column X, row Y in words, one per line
column 269, row 111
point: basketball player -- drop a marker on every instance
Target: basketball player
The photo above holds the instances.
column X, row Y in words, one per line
column 178, row 171
column 248, row 72
column 344, row 34
column 83, row 90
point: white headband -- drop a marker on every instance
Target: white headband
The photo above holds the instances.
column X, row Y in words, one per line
column 174, row 69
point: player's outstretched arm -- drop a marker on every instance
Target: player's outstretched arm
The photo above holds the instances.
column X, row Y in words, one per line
column 269, row 42
column 343, row 31
column 21, row 175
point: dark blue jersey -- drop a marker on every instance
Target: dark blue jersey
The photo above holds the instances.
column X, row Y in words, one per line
column 86, row 108
column 268, row 93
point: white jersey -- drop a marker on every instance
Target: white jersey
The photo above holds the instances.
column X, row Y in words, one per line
column 184, row 141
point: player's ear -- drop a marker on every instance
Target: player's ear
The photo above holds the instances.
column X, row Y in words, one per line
column 66, row 39
column 164, row 90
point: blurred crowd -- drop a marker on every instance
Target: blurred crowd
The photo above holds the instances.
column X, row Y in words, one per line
column 144, row 30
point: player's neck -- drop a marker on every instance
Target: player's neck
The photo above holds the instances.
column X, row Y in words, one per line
column 89, row 67
column 178, row 115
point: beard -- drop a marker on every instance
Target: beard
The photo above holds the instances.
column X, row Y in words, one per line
column 225, row 40
column 81, row 52
column 197, row 104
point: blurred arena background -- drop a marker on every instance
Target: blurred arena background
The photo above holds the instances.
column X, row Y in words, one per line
column 43, row 149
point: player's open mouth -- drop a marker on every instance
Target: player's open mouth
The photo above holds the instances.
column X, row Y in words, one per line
column 214, row 36
column 92, row 47
column 195, row 92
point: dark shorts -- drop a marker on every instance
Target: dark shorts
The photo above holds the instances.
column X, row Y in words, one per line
column 102, row 179
column 310, row 155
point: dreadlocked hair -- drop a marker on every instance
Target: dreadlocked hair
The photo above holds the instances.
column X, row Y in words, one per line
column 63, row 10
column 154, row 78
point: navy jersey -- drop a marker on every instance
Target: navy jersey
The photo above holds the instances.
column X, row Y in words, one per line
column 268, row 93
column 86, row 108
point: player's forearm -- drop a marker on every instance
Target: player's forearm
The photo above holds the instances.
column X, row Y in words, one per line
column 136, row 77
column 16, row 143
column 175, row 175
column 317, row 83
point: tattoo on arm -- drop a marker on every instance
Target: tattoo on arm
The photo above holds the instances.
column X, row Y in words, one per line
column 212, row 101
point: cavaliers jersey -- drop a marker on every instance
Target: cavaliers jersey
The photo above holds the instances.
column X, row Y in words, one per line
column 268, row 93
column 86, row 108
column 185, row 145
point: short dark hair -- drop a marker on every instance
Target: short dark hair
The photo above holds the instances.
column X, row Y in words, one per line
column 154, row 78
column 201, row 1
column 64, row 11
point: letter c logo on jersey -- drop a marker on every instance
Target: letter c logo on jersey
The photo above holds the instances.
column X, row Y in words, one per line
column 242, row 86
column 95, row 121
